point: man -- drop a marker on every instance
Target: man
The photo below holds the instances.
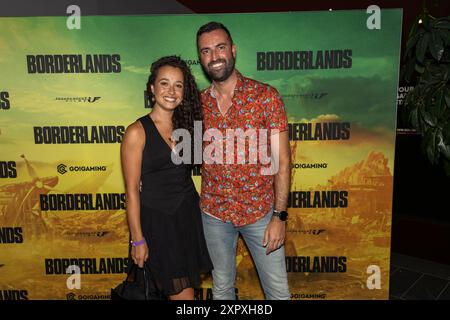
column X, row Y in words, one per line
column 239, row 198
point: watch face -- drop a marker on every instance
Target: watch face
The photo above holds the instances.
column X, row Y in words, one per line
column 282, row 215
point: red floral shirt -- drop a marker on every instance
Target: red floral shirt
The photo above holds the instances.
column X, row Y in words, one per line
column 233, row 191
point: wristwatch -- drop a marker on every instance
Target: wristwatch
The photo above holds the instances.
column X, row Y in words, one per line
column 282, row 215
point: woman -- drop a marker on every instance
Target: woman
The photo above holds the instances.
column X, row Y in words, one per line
column 162, row 204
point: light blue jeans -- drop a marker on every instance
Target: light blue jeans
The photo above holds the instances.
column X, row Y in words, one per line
column 221, row 239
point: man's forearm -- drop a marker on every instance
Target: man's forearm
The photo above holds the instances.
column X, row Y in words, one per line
column 282, row 183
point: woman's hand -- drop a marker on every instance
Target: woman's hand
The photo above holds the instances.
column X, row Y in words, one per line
column 139, row 254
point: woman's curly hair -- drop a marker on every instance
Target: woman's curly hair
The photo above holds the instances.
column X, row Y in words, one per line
column 190, row 109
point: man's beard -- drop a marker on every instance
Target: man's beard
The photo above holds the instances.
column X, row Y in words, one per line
column 223, row 74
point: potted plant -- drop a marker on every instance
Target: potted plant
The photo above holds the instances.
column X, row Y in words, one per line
column 427, row 64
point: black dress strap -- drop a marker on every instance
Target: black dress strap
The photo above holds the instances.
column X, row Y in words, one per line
column 146, row 123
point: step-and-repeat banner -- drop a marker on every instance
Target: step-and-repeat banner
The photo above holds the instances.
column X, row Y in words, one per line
column 66, row 97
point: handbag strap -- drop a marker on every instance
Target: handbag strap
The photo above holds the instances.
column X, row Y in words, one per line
column 146, row 275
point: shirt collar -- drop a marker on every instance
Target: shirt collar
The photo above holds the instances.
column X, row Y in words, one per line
column 238, row 87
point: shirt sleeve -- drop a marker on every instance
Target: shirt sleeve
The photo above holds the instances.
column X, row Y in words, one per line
column 275, row 112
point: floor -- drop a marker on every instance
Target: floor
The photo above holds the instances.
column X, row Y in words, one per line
column 417, row 279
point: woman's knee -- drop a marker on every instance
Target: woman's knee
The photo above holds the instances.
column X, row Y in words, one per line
column 185, row 294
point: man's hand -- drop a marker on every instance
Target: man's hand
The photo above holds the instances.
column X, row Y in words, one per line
column 274, row 235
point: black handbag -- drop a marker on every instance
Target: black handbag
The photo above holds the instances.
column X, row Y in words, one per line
column 139, row 285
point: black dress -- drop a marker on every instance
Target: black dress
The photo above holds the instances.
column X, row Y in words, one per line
column 170, row 217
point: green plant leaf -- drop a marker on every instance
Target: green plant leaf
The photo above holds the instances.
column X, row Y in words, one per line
column 437, row 71
column 446, row 132
column 413, row 118
column 436, row 46
column 435, row 104
column 412, row 42
column 441, row 23
column 445, row 150
column 419, row 68
column 445, row 36
column 441, row 145
column 429, row 143
column 445, row 73
column 427, row 118
column 447, row 97
column 434, row 76
column 422, row 46
column 439, row 102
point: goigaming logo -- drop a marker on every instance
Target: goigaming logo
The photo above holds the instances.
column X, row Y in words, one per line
column 88, row 296
column 62, row 168
column 70, row 296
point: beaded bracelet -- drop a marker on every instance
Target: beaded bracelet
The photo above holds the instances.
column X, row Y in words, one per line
column 137, row 243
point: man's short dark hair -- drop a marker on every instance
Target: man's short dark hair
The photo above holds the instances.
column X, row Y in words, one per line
column 211, row 26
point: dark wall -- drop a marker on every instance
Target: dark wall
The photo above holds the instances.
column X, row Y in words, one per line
column 25, row 8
